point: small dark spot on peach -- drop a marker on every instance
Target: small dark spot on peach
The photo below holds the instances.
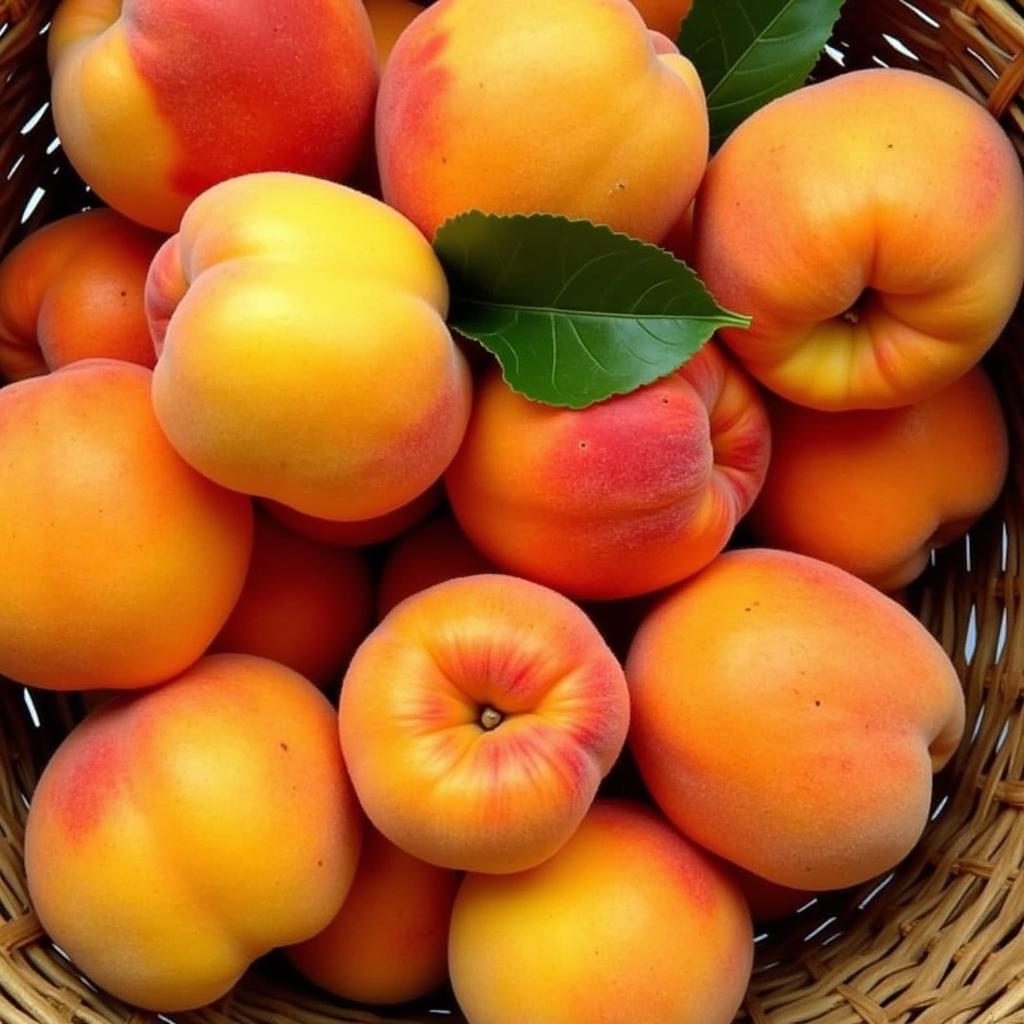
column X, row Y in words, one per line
column 817, row 703
column 283, row 746
column 583, row 444
column 123, row 293
column 664, row 401
column 889, row 145
column 319, row 863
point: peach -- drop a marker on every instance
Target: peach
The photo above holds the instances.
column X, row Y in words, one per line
column 359, row 532
column 155, row 101
column 477, row 721
column 628, row 921
column 665, row 16
column 389, row 19
column 303, row 352
column 304, row 604
column 874, row 491
column 611, row 129
column 121, row 563
column 879, row 254
column 788, row 717
column 432, row 553
column 74, row 290
column 180, row 833
column 766, row 900
column 389, row 941
column 624, row 497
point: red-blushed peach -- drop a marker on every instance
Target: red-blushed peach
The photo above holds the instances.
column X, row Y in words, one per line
column 430, row 554
column 303, row 352
column 358, row 533
column 610, row 129
column 627, row 922
column 873, row 491
column 879, row 254
column 788, row 717
column 389, row 941
column 624, row 497
column 157, row 100
column 477, row 721
column 389, row 19
column 74, row 290
column 304, row 604
column 665, row 16
column 179, row 833
column 121, row 563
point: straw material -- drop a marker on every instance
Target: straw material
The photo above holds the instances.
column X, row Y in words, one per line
column 940, row 940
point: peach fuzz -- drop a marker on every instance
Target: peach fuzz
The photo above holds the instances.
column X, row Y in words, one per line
column 121, row 563
column 303, row 352
column 612, row 130
column 389, row 941
column 180, row 833
column 432, row 553
column 357, row 533
column 664, row 16
column 874, row 491
column 155, row 101
column 74, row 290
column 305, row 605
column 389, row 19
column 879, row 254
column 624, row 497
column 477, row 721
column 788, row 717
column 628, row 921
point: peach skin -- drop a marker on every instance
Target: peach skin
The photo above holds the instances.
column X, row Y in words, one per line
column 766, row 900
column 874, row 491
column 389, row 942
column 879, row 255
column 121, row 563
column 629, row 921
column 788, row 717
column 389, row 19
column 664, row 16
column 622, row 498
column 74, row 290
column 611, row 129
column 432, row 553
column 302, row 349
column 180, row 833
column 304, row 604
column 477, row 721
column 155, row 101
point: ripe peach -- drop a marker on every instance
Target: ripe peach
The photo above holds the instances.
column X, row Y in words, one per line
column 665, row 16
column 879, row 254
column 157, row 100
column 430, row 554
column 304, row 604
column 610, row 129
column 389, row 941
column 789, row 717
column 303, row 353
column 74, row 290
column 121, row 563
column 478, row 719
column 628, row 921
column 389, row 19
column 874, row 491
column 180, row 833
column 621, row 498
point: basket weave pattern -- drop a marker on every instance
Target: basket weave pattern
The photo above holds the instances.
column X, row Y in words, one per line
column 939, row 941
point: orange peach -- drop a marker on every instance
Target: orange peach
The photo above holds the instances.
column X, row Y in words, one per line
column 303, row 352
column 389, row 942
column 665, row 16
column 359, row 532
column 121, row 563
column 74, row 290
column 621, row 498
column 788, row 717
column 627, row 922
column 430, row 554
column 879, row 253
column 874, row 491
column 157, row 100
column 609, row 128
column 389, row 19
column 477, row 721
column 180, row 833
column 305, row 605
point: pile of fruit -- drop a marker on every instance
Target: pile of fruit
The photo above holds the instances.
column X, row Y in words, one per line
column 252, row 450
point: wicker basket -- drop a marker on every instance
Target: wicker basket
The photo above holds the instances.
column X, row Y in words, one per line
column 939, row 941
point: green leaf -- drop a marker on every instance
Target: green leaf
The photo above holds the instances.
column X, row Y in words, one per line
column 574, row 312
column 751, row 51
